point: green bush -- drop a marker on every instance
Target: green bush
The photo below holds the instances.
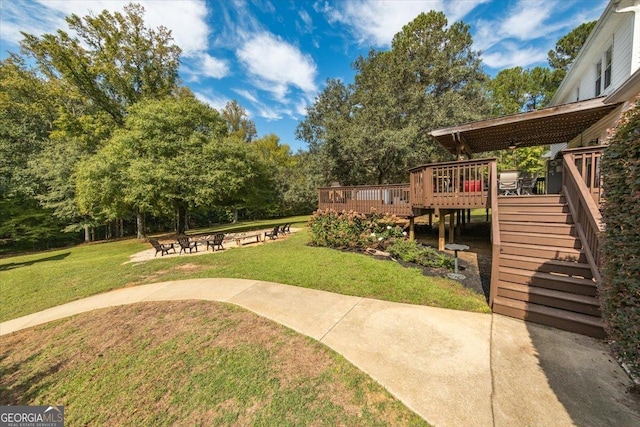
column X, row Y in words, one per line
column 411, row 251
column 353, row 230
column 620, row 289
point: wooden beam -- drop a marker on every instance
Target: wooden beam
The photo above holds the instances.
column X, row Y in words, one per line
column 441, row 231
column 452, row 225
column 412, row 233
column 464, row 146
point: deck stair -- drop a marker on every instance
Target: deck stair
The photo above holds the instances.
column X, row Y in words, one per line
column 543, row 274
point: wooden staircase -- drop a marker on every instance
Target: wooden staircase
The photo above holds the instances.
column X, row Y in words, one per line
column 543, row 276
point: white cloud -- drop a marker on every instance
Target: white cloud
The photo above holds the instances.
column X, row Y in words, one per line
column 246, row 94
column 213, row 67
column 27, row 17
column 503, row 39
column 512, row 55
column 275, row 65
column 185, row 18
column 216, row 101
column 375, row 22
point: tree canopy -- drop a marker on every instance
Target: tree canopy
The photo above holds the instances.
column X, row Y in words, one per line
column 370, row 132
column 115, row 62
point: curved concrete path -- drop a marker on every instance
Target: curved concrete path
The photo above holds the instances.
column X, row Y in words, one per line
column 453, row 368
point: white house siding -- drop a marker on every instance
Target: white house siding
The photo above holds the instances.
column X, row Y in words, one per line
column 617, row 30
column 622, row 54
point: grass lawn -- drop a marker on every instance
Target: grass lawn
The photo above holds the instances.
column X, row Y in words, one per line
column 188, row 363
column 34, row 282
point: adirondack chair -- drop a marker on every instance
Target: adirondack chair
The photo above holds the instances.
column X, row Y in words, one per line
column 185, row 244
column 284, row 228
column 162, row 248
column 215, row 241
column 273, row 234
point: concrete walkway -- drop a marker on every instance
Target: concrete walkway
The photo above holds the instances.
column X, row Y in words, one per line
column 453, row 368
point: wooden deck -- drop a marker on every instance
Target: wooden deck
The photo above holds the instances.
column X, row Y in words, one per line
column 545, row 263
column 385, row 199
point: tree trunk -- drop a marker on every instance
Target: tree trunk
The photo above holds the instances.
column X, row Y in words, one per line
column 140, row 225
column 121, row 224
column 235, row 215
column 182, row 219
column 87, row 236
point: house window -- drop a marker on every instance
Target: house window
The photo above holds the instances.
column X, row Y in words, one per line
column 598, row 78
column 607, row 69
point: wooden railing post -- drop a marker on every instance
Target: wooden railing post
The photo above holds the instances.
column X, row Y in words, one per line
column 495, row 231
column 584, row 211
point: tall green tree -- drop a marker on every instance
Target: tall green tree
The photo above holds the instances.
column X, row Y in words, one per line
column 372, row 131
column 238, row 122
column 567, row 48
column 114, row 62
column 159, row 160
column 27, row 113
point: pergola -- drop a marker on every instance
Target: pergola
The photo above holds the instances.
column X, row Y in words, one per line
column 547, row 126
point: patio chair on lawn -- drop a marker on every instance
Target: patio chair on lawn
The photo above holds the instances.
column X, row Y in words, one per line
column 273, row 234
column 162, row 248
column 284, row 228
column 185, row 244
column 508, row 183
column 215, row 241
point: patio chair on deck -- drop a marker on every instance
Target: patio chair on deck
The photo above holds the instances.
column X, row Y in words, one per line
column 508, row 183
column 528, row 185
column 185, row 244
column 215, row 241
column 163, row 248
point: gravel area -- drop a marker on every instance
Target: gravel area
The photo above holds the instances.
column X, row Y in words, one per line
column 229, row 243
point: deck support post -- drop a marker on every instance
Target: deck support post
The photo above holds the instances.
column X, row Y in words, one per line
column 430, row 219
column 412, row 232
column 441, row 231
column 452, row 225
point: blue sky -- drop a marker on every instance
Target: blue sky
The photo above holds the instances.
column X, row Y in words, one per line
column 274, row 56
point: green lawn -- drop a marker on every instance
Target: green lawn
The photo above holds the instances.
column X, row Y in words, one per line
column 30, row 283
column 189, row 363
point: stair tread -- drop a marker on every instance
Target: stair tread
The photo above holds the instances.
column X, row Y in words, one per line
column 544, row 275
column 568, row 296
column 550, row 311
column 539, row 224
column 559, row 262
column 535, row 234
column 545, row 247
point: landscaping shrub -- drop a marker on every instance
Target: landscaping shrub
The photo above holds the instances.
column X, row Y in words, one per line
column 411, row 251
column 353, row 230
column 620, row 289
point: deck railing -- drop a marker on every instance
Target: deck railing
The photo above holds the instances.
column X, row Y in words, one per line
column 584, row 210
column 587, row 161
column 451, row 185
column 391, row 199
column 495, row 234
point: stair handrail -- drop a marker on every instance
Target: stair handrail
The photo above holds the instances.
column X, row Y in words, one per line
column 495, row 231
column 584, row 210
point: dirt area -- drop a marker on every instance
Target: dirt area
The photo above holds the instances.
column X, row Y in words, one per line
column 229, row 243
column 475, row 263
